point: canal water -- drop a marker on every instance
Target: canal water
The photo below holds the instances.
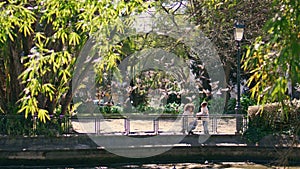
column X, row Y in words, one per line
column 206, row 165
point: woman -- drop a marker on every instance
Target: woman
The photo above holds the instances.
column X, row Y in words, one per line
column 204, row 115
column 189, row 121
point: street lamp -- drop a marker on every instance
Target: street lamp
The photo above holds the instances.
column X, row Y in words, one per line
column 238, row 31
column 238, row 36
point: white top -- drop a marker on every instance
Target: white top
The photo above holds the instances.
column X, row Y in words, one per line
column 204, row 114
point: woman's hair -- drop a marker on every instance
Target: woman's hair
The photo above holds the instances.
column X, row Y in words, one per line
column 189, row 105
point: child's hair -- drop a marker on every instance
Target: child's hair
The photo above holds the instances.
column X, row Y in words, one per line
column 189, row 105
column 204, row 103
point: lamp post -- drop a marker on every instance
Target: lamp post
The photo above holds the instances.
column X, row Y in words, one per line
column 238, row 36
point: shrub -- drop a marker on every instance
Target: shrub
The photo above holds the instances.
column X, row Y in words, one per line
column 269, row 119
column 246, row 101
column 172, row 108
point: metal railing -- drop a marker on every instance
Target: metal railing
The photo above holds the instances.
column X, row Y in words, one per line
column 125, row 125
column 153, row 124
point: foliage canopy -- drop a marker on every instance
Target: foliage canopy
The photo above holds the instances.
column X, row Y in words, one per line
column 39, row 43
column 274, row 60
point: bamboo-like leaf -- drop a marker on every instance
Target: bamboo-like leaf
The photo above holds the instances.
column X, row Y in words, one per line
column 43, row 115
column 74, row 39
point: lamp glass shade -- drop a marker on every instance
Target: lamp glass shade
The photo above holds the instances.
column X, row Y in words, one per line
column 238, row 33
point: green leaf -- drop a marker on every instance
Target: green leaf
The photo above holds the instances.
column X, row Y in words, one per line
column 43, row 115
column 74, row 39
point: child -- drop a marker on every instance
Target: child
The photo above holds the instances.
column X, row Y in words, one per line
column 204, row 115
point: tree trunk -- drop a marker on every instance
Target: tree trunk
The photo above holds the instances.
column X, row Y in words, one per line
column 15, row 68
column 67, row 99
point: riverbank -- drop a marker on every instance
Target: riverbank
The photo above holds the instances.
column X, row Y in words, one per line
column 81, row 150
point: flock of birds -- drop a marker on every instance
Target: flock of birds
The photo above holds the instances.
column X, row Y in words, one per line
column 166, row 86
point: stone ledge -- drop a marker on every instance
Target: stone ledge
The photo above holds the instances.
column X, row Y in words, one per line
column 98, row 156
column 80, row 149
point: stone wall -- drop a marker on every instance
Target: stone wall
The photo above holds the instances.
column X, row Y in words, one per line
column 80, row 150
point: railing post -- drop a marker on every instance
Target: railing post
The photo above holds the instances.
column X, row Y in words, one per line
column 127, row 126
column 215, row 125
column 239, row 123
column 212, row 123
column 95, row 125
column 98, row 125
column 155, row 126
column 34, row 125
column 66, row 121
column 184, row 124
